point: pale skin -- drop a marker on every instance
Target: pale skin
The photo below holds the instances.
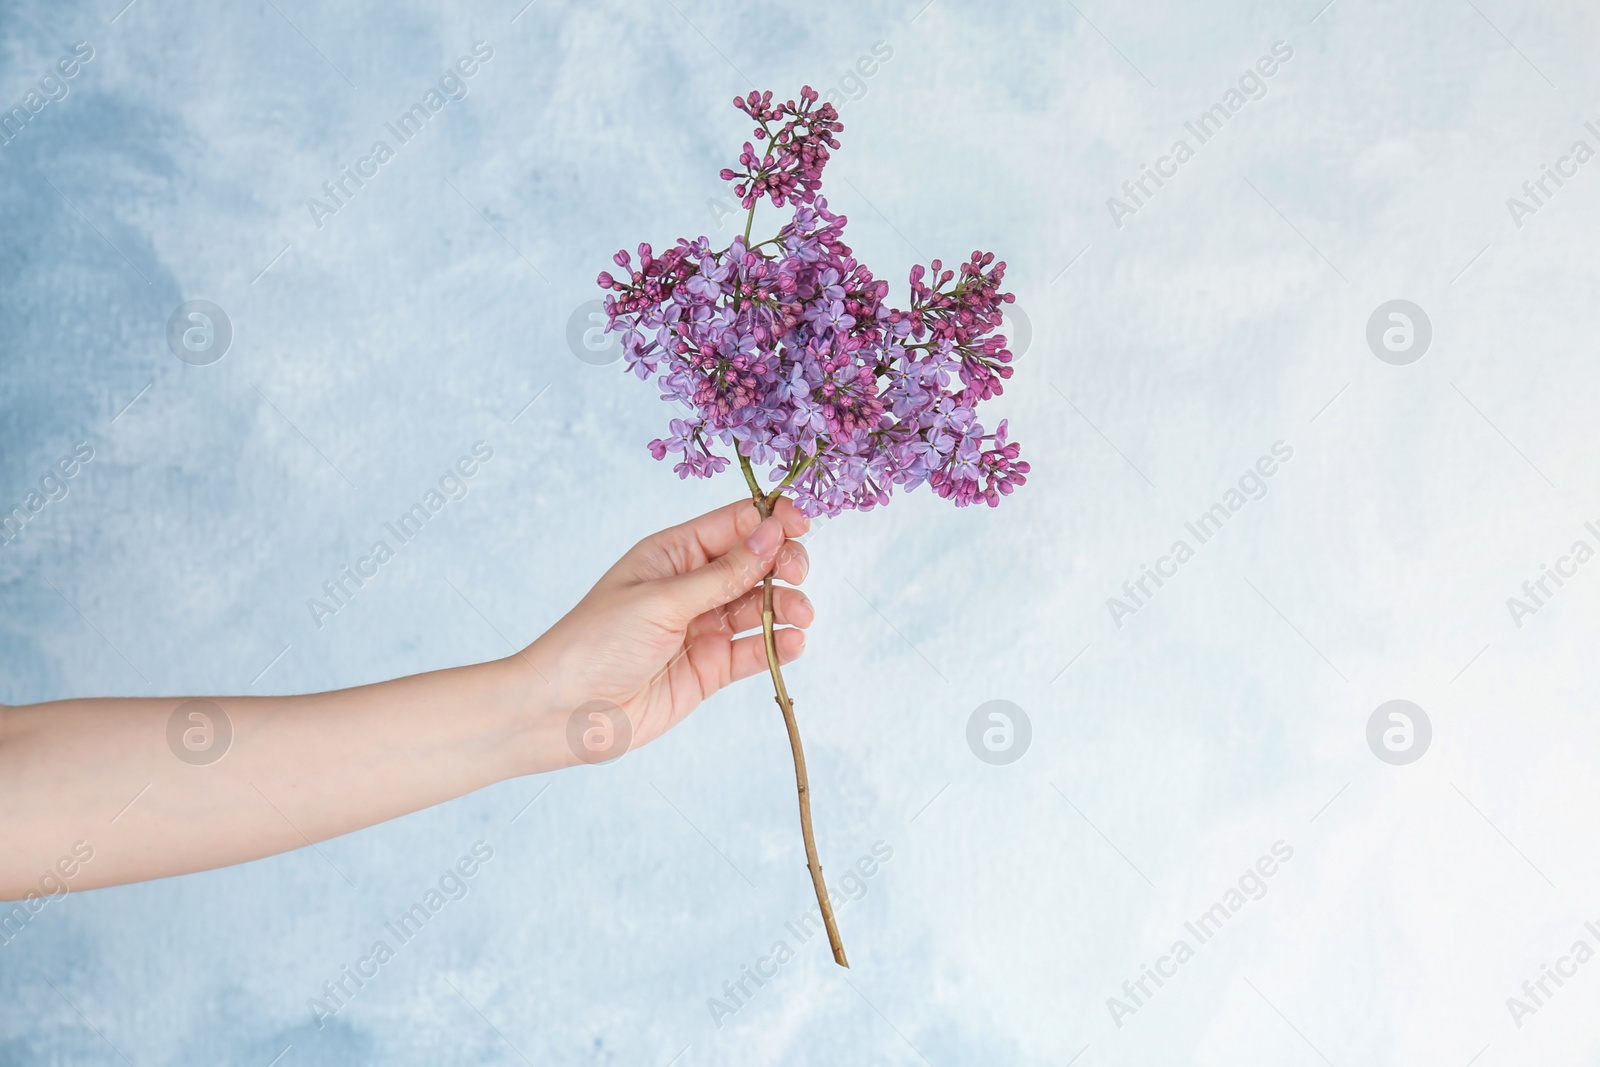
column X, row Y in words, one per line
column 657, row 635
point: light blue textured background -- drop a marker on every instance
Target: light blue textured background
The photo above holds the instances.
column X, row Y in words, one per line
column 1227, row 314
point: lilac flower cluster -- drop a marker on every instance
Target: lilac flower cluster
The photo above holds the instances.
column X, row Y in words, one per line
column 785, row 349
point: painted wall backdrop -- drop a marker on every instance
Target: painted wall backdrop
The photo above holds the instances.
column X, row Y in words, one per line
column 1339, row 346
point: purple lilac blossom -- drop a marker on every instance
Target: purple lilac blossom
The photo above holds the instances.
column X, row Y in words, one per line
column 786, row 351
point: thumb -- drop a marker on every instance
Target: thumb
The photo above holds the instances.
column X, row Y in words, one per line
column 727, row 577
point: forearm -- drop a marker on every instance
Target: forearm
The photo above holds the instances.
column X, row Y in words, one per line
column 298, row 769
column 101, row 792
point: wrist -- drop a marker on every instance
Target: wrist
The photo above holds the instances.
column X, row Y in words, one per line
column 536, row 741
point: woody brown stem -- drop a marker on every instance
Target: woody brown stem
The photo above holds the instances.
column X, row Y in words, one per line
column 764, row 504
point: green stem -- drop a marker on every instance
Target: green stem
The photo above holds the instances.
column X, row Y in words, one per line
column 764, row 504
column 788, row 480
column 750, row 478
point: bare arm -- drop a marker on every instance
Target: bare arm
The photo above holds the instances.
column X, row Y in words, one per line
column 149, row 798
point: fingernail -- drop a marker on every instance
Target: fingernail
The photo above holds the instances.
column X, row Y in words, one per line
column 765, row 539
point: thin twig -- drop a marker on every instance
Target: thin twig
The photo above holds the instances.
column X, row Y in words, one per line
column 765, row 504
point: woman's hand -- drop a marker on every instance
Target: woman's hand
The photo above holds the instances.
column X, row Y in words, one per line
column 659, row 632
column 109, row 778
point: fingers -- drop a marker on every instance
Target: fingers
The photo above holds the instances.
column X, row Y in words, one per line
column 691, row 545
column 794, row 563
column 748, row 655
column 717, row 661
column 790, row 607
column 725, row 578
column 795, row 524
